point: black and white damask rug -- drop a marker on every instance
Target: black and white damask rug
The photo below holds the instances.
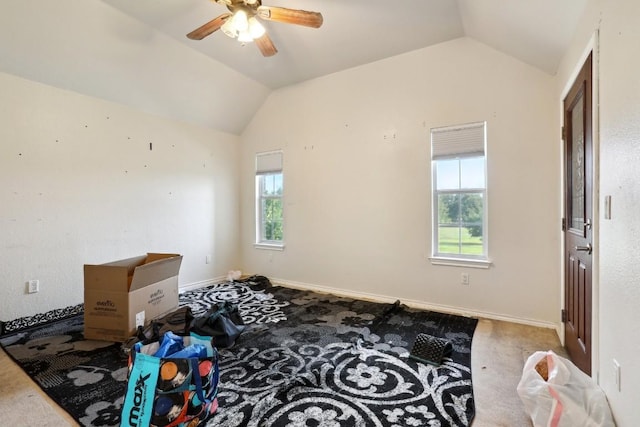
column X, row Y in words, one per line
column 306, row 359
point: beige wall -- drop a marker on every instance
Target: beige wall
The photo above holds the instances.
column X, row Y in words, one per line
column 357, row 180
column 92, row 48
column 619, row 155
column 80, row 185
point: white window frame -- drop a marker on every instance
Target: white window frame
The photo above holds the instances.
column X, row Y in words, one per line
column 455, row 143
column 267, row 164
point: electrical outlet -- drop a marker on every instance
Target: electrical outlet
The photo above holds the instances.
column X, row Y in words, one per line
column 616, row 373
column 464, row 278
column 34, row 286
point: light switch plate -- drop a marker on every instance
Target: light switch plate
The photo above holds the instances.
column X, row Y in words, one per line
column 607, row 207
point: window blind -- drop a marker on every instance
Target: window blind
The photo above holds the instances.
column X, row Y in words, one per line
column 268, row 162
column 458, row 141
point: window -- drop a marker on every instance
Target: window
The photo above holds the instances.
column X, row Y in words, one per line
column 269, row 186
column 459, row 192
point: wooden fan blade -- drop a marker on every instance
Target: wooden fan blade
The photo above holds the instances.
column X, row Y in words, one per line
column 290, row 16
column 265, row 45
column 209, row 27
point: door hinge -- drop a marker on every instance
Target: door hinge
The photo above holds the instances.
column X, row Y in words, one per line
column 562, row 134
column 563, row 315
column 564, row 224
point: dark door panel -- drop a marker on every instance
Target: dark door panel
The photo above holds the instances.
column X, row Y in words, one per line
column 577, row 134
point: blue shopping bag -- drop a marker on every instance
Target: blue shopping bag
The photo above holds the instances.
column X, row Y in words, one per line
column 172, row 383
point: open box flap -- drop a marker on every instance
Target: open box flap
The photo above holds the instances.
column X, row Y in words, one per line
column 113, row 275
column 161, row 266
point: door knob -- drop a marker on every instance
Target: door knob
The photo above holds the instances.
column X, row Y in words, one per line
column 586, row 249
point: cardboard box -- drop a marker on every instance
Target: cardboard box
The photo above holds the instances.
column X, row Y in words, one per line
column 122, row 294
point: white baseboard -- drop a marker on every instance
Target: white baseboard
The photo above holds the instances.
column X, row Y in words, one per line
column 201, row 284
column 423, row 305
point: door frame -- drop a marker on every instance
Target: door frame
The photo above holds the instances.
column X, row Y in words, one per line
column 591, row 48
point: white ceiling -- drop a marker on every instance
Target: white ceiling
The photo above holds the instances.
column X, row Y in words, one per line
column 136, row 53
column 357, row 32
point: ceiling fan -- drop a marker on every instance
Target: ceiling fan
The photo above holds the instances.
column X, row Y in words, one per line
column 241, row 22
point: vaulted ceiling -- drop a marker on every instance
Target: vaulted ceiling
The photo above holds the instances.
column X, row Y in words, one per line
column 357, row 32
column 136, row 52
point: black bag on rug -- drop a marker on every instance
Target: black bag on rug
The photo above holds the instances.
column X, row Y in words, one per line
column 222, row 322
column 256, row 283
column 177, row 321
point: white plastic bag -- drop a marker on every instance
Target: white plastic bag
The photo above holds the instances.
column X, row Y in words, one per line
column 568, row 398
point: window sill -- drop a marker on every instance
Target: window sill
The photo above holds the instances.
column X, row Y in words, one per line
column 269, row 246
column 460, row 262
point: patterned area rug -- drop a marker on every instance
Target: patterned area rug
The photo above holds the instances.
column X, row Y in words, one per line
column 306, row 359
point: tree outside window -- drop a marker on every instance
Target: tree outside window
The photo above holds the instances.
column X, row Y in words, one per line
column 270, row 186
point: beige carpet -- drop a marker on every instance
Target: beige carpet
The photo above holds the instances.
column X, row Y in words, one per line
column 22, row 403
column 498, row 353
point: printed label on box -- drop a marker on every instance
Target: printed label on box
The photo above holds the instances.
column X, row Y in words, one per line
column 140, row 319
column 156, row 297
column 105, row 308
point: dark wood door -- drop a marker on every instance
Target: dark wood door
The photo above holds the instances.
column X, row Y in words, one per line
column 577, row 223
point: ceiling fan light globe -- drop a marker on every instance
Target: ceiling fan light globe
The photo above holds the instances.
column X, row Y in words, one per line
column 229, row 29
column 255, row 28
column 240, row 21
column 244, row 37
